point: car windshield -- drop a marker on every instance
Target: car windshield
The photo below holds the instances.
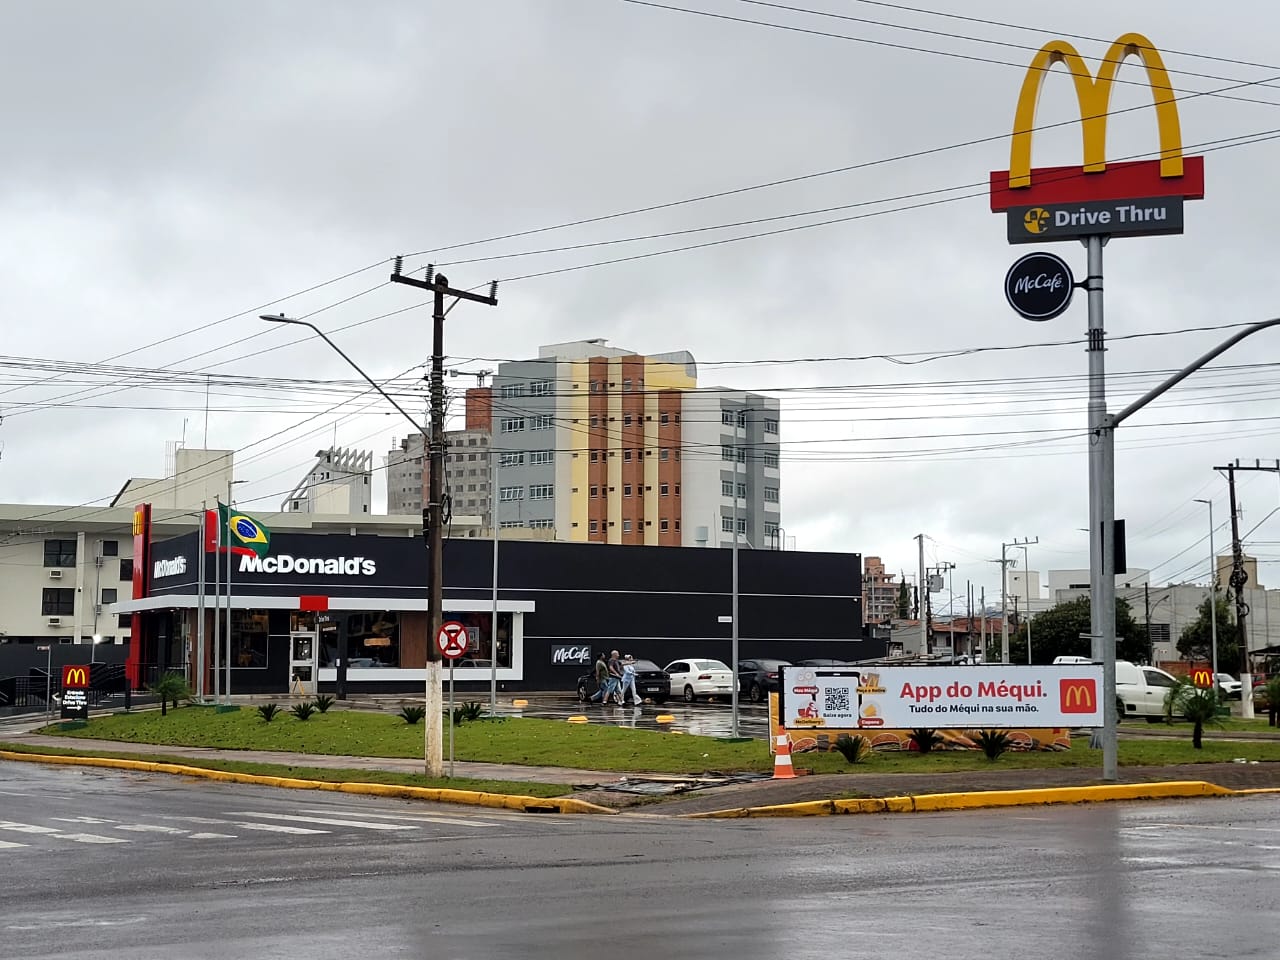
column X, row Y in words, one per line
column 646, row 666
column 710, row 665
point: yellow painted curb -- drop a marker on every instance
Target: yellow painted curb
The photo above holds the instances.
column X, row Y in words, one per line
column 437, row 794
column 933, row 802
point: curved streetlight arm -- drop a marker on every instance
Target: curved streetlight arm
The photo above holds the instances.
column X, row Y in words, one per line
column 355, row 366
column 1115, row 420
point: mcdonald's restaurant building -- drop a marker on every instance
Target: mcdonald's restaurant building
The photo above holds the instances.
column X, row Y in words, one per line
column 329, row 612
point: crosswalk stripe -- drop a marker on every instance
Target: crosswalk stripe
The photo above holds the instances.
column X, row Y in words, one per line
column 245, row 825
column 149, row 828
column 7, row 845
column 212, row 836
column 414, row 818
column 328, row 821
column 81, row 820
column 87, row 838
column 26, row 827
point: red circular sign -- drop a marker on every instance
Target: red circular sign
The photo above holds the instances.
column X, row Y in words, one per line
column 452, row 639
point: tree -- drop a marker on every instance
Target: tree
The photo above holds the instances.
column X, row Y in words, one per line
column 170, row 686
column 1196, row 640
column 1197, row 706
column 1064, row 630
column 904, row 599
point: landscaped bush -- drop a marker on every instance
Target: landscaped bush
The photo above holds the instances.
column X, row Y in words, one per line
column 993, row 743
column 412, row 715
column 268, row 711
column 925, row 738
column 853, row 748
column 322, row 703
column 303, row 711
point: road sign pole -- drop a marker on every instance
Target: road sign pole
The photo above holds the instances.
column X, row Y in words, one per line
column 48, row 682
column 451, row 718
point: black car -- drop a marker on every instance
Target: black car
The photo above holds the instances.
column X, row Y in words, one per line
column 823, row 662
column 651, row 680
column 756, row 678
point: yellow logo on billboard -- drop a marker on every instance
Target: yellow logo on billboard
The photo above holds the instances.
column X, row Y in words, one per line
column 1094, row 96
column 1036, row 220
column 870, row 683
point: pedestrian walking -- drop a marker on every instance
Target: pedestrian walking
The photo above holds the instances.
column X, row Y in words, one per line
column 615, row 677
column 602, row 679
column 629, row 681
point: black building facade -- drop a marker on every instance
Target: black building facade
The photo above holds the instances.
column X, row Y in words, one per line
column 327, row 608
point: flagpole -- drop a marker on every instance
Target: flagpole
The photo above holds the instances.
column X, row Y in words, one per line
column 200, row 558
column 228, row 683
column 217, row 605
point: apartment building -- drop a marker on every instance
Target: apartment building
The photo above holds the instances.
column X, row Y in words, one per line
column 879, row 592
column 337, row 483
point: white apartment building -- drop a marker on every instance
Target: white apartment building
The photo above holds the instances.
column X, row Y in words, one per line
column 337, row 484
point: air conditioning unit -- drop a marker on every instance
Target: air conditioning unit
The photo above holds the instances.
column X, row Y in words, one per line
column 55, row 574
column 55, row 621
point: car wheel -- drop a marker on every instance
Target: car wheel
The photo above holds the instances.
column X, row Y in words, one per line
column 755, row 693
column 1119, row 710
column 582, row 693
column 688, row 695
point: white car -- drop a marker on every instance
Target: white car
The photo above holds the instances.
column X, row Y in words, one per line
column 692, row 679
column 1229, row 685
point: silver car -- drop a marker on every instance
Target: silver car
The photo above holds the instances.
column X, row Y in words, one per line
column 694, row 678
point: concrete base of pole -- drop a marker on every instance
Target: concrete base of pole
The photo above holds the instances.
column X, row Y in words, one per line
column 433, row 746
column 1246, row 696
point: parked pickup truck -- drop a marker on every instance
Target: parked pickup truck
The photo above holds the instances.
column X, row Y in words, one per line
column 1141, row 690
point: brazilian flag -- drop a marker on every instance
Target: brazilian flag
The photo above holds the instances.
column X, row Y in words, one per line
column 240, row 533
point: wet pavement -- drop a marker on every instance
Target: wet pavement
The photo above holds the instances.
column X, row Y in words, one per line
column 703, row 719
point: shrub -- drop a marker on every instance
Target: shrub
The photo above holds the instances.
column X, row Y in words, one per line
column 170, row 687
column 853, row 748
column 993, row 743
column 322, row 703
column 303, row 711
column 1197, row 706
column 412, row 715
column 268, row 711
column 925, row 738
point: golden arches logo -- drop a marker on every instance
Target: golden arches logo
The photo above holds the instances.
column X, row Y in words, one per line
column 1094, row 96
column 73, row 677
column 1078, row 695
column 1202, row 677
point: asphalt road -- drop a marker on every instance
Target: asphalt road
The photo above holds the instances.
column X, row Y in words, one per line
column 98, row 864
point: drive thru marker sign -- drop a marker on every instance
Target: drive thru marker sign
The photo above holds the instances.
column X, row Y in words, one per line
column 452, row 639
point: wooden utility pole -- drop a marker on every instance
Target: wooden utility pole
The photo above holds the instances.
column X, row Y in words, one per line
column 433, row 513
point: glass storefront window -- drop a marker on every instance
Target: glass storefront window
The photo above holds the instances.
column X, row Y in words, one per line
column 249, row 629
column 373, row 639
column 480, row 649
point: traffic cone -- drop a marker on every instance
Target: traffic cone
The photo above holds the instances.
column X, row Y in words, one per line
column 782, row 769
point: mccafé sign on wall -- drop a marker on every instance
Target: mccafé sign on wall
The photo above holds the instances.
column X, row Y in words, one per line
column 576, row 653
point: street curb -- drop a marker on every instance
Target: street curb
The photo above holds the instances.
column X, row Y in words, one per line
column 935, row 802
column 436, row 794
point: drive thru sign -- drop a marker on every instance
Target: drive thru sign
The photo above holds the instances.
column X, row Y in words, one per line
column 452, row 639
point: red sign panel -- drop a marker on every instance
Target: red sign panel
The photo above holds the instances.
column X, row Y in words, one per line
column 1079, row 695
column 1202, row 677
column 75, row 677
column 452, row 639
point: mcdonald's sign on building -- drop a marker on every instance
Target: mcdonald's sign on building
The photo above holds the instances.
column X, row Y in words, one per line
column 1141, row 197
column 75, row 677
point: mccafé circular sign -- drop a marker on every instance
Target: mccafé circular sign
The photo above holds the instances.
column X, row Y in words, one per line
column 1039, row 286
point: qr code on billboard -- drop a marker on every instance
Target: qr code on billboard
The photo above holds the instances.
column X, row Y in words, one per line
column 837, row 700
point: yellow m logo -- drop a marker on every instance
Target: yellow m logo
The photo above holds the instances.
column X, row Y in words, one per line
column 1094, row 97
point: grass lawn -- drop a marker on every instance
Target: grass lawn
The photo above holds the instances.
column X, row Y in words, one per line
column 589, row 746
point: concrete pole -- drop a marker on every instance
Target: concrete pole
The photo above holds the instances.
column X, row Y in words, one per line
column 924, row 586
column 1004, row 608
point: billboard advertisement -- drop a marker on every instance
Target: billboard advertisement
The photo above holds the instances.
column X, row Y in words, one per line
column 997, row 696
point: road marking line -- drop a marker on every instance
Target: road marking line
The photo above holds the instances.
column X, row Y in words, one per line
column 415, row 818
column 329, row 821
column 81, row 820
column 1201, row 826
column 212, row 836
column 88, row 838
column 149, row 828
column 26, row 827
column 263, row 827
column 7, row 845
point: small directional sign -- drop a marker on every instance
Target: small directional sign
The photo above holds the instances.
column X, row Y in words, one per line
column 452, row 639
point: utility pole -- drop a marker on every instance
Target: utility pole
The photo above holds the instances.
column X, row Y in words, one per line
column 1004, row 562
column 1146, row 602
column 922, row 588
column 433, row 513
column 1213, row 599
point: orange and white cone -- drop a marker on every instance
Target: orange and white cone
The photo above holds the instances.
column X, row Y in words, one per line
column 782, row 769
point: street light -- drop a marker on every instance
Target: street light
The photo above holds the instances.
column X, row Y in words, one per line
column 97, row 639
column 433, row 733
column 1213, row 596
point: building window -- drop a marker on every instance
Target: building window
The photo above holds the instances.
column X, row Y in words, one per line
column 541, row 491
column 726, row 488
column 626, row 421
column 508, row 524
column 742, row 454
column 109, row 594
column 540, row 422
column 663, row 489
column 742, row 491
column 510, row 494
column 595, row 526
column 726, row 417
column 111, row 548
column 626, row 386
column 595, row 491
column 57, row 601
column 595, row 456
column 595, row 421
column 726, row 452
column 664, row 454
column 742, row 524
column 664, row 524
column 677, row 489
column 511, row 460
column 126, row 569
column 512, row 424
column 626, row 489
column 771, row 494
column 771, row 426
column 124, row 621
column 541, row 524
column 540, row 388
column 664, row 418
column 59, row 553
column 540, row 457
column 509, row 390
column 770, row 531
column 626, row 455
column 595, row 386
column 726, row 524
column 771, row 460
column 626, row 524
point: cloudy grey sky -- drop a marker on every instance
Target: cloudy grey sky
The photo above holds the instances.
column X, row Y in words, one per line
column 169, row 169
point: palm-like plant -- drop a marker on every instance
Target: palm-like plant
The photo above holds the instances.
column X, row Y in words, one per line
column 853, row 748
column 170, row 687
column 1195, row 704
column 925, row 738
